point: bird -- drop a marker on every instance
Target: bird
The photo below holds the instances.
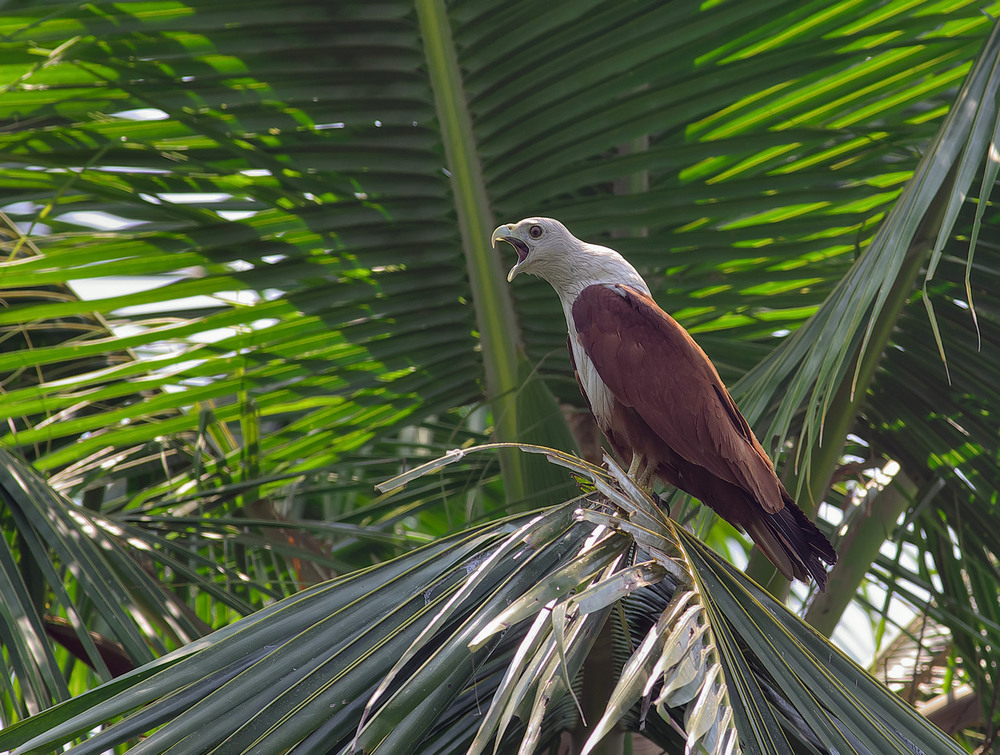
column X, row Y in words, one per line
column 658, row 398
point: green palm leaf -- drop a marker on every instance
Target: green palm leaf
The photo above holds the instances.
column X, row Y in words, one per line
column 750, row 191
column 502, row 616
column 302, row 190
column 94, row 579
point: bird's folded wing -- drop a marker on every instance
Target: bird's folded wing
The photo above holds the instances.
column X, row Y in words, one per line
column 649, row 362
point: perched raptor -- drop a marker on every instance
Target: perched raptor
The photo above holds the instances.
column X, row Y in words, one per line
column 659, row 399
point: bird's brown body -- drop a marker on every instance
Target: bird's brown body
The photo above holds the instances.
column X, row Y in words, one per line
column 659, row 399
column 671, row 408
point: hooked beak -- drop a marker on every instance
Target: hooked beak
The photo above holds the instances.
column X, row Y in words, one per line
column 502, row 233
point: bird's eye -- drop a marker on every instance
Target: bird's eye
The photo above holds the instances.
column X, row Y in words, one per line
column 535, row 231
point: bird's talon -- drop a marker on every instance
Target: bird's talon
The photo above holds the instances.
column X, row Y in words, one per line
column 633, row 468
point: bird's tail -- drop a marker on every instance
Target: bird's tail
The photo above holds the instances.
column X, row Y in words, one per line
column 793, row 543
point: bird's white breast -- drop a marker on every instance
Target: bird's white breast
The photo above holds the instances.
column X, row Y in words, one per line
column 600, row 398
column 583, row 265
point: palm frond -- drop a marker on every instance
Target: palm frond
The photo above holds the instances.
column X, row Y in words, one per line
column 769, row 162
column 95, row 581
column 502, row 614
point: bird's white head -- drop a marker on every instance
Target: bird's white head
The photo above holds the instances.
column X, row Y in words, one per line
column 546, row 248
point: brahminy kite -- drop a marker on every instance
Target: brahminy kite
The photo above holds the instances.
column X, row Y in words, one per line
column 659, row 399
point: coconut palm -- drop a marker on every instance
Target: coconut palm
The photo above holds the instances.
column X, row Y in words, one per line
column 248, row 276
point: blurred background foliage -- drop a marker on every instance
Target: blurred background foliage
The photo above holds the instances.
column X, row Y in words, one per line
column 246, row 276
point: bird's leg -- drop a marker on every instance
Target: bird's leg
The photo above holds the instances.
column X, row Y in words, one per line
column 645, row 478
column 641, row 472
column 633, row 468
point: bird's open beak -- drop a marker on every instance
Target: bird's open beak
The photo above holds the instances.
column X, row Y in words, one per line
column 522, row 254
column 503, row 233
